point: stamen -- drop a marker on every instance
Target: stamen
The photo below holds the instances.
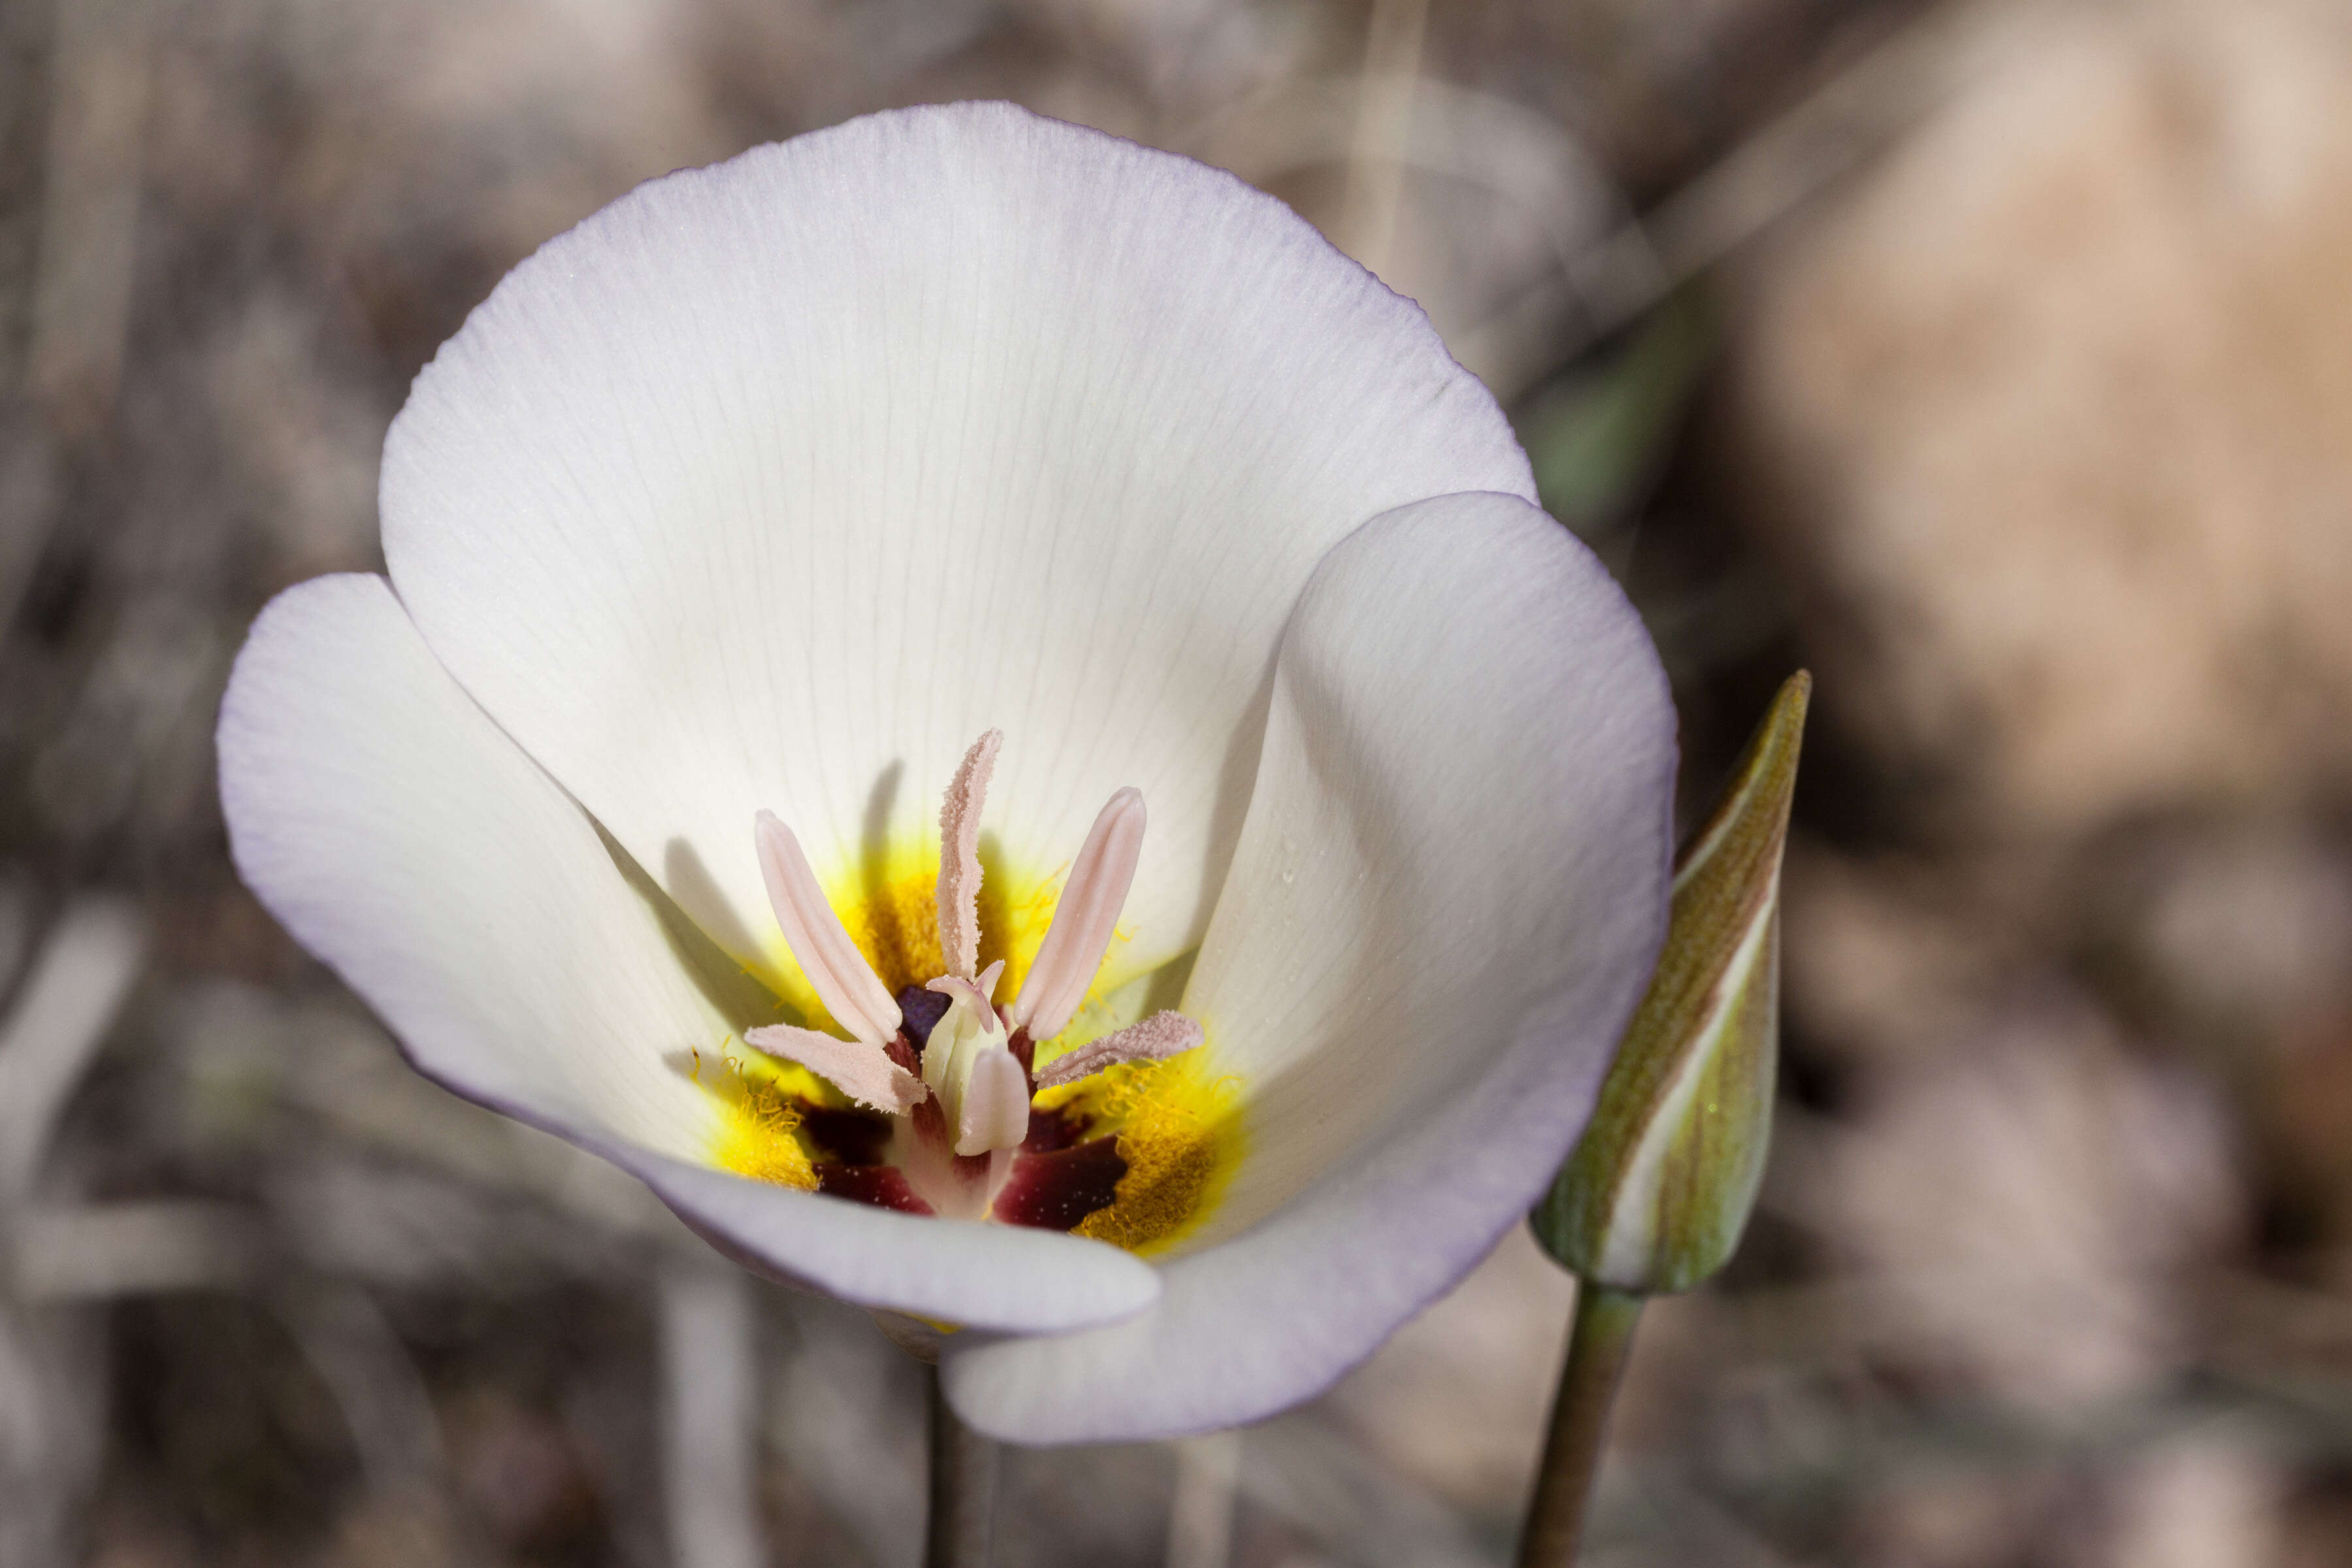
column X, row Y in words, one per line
column 862, row 1071
column 1155, row 1039
column 1083, row 920
column 995, row 1109
column 843, row 981
column 958, row 889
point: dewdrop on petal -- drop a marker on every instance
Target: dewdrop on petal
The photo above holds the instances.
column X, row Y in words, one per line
column 1654, row 1198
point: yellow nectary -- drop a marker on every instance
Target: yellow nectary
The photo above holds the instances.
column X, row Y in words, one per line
column 1180, row 1130
column 759, row 1132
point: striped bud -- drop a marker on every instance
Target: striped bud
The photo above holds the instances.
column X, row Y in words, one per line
column 1654, row 1198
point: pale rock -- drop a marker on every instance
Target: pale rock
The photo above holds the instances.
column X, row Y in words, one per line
column 2056, row 400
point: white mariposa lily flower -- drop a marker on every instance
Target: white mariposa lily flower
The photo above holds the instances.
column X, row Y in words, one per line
column 716, row 535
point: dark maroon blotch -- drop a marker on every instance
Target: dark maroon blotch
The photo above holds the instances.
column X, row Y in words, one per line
column 1055, row 1190
column 1052, row 1130
column 884, row 1186
column 849, row 1136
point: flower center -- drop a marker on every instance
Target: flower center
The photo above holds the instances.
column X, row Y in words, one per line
column 948, row 1113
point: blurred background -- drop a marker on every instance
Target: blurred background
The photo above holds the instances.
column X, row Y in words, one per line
column 1992, row 359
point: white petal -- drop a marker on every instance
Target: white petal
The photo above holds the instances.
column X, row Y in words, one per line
column 1444, row 907
column 982, row 1277
column 400, row 837
column 775, row 483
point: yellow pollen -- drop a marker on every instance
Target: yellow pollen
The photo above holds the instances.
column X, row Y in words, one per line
column 759, row 1131
column 1179, row 1130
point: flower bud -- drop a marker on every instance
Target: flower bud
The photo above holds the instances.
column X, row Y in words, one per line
column 1654, row 1198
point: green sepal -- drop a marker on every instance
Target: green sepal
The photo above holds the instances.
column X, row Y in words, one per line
column 1654, row 1198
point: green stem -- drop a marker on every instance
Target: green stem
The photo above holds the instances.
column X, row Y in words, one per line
column 963, row 1488
column 1580, row 1424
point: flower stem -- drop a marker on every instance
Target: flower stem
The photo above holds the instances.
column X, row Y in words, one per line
column 963, row 1488
column 1580, row 1424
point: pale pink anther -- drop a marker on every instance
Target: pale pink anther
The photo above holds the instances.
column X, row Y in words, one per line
column 995, row 1109
column 1083, row 920
column 842, row 978
column 858, row 1070
column 959, row 887
column 1155, row 1039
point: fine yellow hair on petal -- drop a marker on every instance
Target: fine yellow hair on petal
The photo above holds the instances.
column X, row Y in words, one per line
column 894, row 919
column 1179, row 1130
column 759, row 1131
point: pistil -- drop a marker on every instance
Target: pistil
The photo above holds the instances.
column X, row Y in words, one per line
column 983, row 1091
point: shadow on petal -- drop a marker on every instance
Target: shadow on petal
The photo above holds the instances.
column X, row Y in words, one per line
column 734, row 996
column 690, row 882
